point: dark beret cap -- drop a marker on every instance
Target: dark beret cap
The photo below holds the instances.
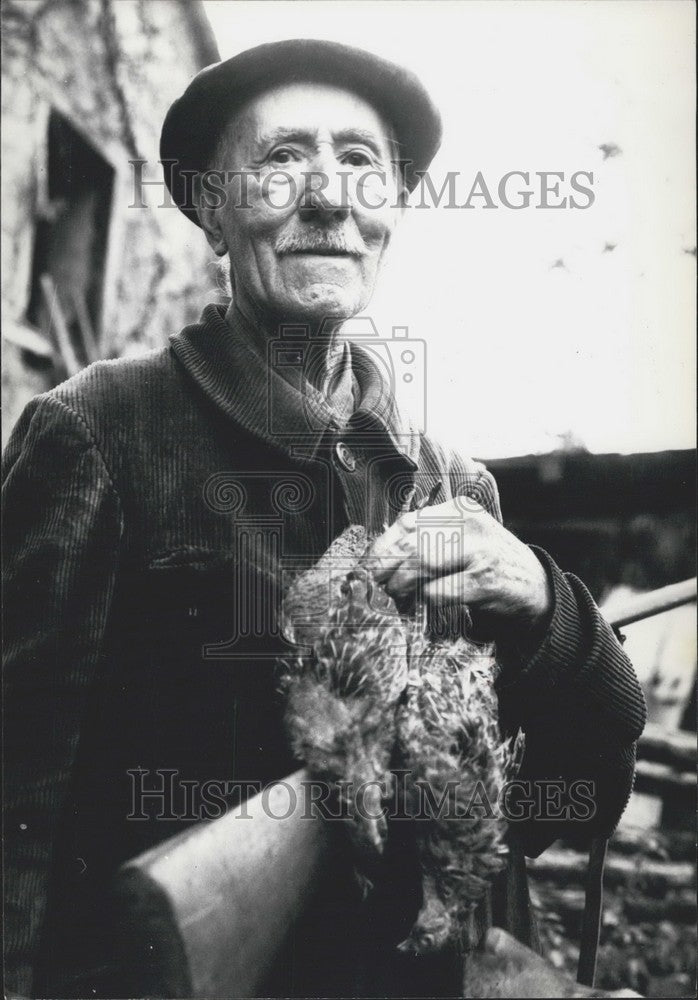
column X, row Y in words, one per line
column 195, row 120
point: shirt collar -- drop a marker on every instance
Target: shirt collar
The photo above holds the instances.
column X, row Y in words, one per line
column 287, row 412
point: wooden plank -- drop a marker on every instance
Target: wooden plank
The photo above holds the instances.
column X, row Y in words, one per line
column 654, row 603
column 658, row 779
column 87, row 333
column 28, row 338
column 677, row 748
column 679, row 845
column 58, row 325
column 567, row 866
column 679, row 906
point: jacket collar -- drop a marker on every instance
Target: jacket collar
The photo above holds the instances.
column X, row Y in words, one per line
column 286, row 412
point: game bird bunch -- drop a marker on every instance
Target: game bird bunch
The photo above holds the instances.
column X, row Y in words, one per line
column 369, row 690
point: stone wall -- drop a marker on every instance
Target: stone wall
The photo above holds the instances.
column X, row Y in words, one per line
column 110, row 68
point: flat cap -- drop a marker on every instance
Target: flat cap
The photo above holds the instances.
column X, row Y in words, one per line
column 196, row 119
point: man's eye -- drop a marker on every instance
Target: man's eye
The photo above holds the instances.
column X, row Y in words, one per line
column 357, row 158
column 282, row 156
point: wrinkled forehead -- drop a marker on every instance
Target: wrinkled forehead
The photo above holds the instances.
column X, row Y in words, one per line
column 311, row 109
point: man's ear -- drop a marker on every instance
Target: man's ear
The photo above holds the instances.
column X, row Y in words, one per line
column 209, row 219
column 400, row 168
column 402, row 197
column 400, row 204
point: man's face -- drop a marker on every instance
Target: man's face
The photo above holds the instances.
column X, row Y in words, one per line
column 303, row 242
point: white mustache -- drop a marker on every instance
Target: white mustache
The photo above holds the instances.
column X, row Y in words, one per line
column 322, row 241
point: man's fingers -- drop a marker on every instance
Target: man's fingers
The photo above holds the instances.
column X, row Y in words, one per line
column 404, row 579
column 384, row 567
column 400, row 558
column 391, row 548
column 457, row 588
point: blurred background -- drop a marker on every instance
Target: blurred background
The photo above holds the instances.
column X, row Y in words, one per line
column 560, row 343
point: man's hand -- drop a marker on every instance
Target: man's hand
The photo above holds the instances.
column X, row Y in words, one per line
column 506, row 968
column 457, row 553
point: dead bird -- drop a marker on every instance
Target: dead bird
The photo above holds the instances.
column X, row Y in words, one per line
column 450, row 744
column 371, row 682
column 341, row 691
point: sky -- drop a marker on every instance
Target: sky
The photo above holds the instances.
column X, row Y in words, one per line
column 540, row 326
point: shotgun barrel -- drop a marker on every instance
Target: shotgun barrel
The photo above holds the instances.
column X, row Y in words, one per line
column 212, row 907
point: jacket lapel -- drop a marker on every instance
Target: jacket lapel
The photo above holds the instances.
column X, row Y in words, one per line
column 286, row 411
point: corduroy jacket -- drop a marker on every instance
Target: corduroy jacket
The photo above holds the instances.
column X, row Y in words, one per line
column 151, row 509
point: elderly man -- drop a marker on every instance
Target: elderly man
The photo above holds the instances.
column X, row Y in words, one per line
column 152, row 506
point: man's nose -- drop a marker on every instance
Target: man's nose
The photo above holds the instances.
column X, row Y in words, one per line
column 326, row 190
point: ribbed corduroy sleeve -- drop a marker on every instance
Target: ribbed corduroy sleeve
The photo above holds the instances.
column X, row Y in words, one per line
column 570, row 686
column 61, row 532
column 579, row 702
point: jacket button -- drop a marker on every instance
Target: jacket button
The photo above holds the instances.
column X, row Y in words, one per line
column 345, row 457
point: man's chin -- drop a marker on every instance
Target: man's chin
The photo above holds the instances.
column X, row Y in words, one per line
column 324, row 300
